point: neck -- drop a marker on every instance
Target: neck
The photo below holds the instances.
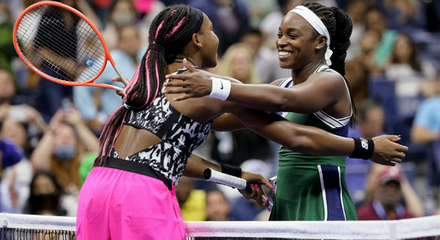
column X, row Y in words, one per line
column 178, row 64
column 301, row 75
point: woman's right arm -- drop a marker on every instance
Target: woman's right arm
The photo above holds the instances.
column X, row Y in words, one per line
column 311, row 140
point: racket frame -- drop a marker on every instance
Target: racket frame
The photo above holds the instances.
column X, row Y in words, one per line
column 89, row 82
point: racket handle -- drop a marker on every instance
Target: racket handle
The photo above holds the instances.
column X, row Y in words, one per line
column 118, row 88
column 120, row 76
column 214, row 176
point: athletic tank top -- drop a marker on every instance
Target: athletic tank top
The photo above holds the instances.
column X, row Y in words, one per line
column 320, row 120
column 180, row 136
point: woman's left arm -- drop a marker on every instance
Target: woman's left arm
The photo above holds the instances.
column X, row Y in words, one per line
column 319, row 91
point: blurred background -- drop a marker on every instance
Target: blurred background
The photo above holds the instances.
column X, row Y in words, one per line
column 49, row 132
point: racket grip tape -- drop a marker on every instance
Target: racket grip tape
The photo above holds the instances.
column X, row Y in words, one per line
column 231, row 181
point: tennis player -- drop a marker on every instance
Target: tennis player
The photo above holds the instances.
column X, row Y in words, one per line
column 312, row 42
column 146, row 144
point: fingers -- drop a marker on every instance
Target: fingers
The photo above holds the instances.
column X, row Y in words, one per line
column 189, row 67
column 257, row 195
column 394, row 138
column 401, row 148
column 266, row 183
column 118, row 79
column 180, row 84
column 120, row 93
column 389, row 164
column 182, row 76
column 399, row 155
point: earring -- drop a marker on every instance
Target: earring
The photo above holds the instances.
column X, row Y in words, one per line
column 200, row 46
column 318, row 48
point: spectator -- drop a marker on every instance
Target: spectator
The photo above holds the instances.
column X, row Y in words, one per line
column 7, row 91
column 405, row 16
column 148, row 9
column 375, row 20
column 370, row 123
column 10, row 155
column 426, row 126
column 101, row 8
column 217, row 206
column 387, row 203
column 45, row 196
column 236, row 147
column 191, row 201
column 265, row 60
column 259, row 9
column 62, row 147
column 359, row 68
column 426, row 130
column 7, row 52
column 238, row 63
column 407, row 69
column 21, row 113
column 229, row 19
column 15, row 185
column 123, row 13
column 356, row 11
column 127, row 56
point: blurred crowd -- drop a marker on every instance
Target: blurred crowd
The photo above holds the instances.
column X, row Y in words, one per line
column 49, row 132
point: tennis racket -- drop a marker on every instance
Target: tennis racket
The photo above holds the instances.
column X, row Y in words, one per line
column 215, row 176
column 61, row 44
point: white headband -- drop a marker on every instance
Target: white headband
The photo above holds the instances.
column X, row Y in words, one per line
column 318, row 25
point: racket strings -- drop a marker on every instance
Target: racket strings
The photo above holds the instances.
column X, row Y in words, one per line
column 64, row 48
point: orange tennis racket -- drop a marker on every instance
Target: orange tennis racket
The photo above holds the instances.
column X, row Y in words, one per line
column 61, row 44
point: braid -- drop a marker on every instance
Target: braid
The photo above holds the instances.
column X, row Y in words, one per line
column 168, row 30
column 339, row 26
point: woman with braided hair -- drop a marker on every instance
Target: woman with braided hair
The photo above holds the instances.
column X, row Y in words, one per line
column 312, row 42
column 146, row 145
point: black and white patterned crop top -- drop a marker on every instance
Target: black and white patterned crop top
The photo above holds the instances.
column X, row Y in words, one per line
column 180, row 136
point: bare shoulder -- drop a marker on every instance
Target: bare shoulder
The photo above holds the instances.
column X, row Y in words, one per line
column 330, row 84
column 328, row 78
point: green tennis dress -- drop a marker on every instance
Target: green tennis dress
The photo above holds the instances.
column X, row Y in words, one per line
column 312, row 187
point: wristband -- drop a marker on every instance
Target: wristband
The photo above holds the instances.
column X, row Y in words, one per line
column 230, row 170
column 363, row 148
column 220, row 88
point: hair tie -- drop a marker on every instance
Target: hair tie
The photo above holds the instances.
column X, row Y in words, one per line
column 157, row 47
column 127, row 106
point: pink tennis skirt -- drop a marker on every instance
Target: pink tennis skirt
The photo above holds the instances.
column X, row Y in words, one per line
column 116, row 204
